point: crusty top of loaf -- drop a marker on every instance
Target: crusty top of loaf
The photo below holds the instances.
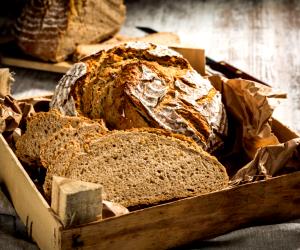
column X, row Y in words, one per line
column 144, row 85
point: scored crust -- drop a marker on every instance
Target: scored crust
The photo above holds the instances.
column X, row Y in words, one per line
column 144, row 85
column 43, row 125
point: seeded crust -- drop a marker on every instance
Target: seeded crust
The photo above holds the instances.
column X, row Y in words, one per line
column 142, row 167
column 41, row 126
column 138, row 85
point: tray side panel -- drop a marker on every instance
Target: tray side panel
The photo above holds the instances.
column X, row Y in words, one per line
column 195, row 56
column 282, row 132
column 60, row 67
column 191, row 219
column 31, row 207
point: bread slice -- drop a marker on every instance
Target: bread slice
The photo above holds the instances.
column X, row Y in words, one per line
column 143, row 167
column 58, row 150
column 45, row 124
column 62, row 145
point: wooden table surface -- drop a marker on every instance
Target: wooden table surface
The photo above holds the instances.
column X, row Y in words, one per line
column 259, row 37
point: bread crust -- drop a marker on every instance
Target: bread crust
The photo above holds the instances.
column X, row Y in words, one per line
column 51, row 30
column 146, row 85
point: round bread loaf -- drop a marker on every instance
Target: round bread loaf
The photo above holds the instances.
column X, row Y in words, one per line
column 51, row 30
column 144, row 85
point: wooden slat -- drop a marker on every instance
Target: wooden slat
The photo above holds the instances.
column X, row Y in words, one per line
column 61, row 67
column 161, row 38
column 33, row 210
column 282, row 132
column 5, row 80
column 76, row 202
column 191, row 219
column 195, row 56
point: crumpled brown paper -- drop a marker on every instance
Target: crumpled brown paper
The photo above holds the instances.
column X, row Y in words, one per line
column 252, row 105
column 10, row 114
column 270, row 161
column 13, row 115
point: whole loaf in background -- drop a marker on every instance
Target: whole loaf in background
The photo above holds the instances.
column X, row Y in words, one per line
column 51, row 29
column 139, row 85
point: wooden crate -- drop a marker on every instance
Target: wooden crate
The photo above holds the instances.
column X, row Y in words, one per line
column 159, row 227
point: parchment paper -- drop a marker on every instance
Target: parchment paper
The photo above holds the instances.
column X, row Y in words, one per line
column 270, row 161
column 252, row 104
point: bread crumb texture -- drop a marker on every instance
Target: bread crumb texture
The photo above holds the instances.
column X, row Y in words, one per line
column 139, row 168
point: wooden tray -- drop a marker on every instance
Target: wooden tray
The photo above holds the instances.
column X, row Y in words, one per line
column 159, row 227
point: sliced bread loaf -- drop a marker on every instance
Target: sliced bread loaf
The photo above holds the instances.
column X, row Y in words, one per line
column 45, row 124
column 143, row 167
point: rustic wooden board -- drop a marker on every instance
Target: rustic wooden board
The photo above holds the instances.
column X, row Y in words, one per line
column 5, row 80
column 61, row 67
column 34, row 211
column 191, row 219
column 283, row 132
column 196, row 58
